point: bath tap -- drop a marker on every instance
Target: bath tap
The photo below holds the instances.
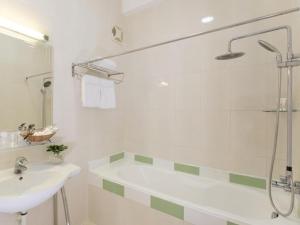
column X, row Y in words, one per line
column 20, row 165
column 285, row 183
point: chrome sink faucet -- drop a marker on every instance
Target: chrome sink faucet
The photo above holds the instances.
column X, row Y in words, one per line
column 20, row 165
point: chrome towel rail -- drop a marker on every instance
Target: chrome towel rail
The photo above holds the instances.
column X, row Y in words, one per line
column 103, row 72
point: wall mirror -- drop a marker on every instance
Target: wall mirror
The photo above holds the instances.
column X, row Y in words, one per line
column 25, row 88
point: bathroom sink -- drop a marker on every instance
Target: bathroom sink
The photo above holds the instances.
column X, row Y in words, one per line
column 19, row 193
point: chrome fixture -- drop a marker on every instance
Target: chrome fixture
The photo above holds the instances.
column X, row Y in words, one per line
column 286, row 182
column 103, row 72
column 65, row 205
column 20, row 165
column 230, row 55
column 90, row 63
column 37, row 75
column 268, row 47
column 46, row 84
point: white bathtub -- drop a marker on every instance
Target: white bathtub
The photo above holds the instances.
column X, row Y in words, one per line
column 206, row 201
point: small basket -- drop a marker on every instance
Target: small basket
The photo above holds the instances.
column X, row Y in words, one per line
column 35, row 138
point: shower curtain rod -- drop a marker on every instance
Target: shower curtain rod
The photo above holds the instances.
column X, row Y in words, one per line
column 272, row 15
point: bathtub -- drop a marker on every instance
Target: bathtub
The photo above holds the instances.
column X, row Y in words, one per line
column 200, row 200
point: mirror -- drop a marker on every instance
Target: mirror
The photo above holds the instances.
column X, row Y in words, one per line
column 25, row 88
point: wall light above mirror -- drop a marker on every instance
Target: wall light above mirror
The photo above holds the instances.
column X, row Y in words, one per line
column 26, row 82
column 22, row 30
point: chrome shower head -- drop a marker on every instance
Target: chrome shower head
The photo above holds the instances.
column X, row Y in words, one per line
column 230, row 55
column 268, row 47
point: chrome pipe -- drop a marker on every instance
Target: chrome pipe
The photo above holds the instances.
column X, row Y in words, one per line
column 289, row 38
column 55, row 210
column 289, row 120
column 65, row 204
column 37, row 75
column 272, row 15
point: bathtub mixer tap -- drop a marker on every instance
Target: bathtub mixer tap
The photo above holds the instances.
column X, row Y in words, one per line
column 286, row 183
column 297, row 187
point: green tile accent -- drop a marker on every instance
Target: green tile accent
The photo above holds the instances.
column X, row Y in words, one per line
column 143, row 159
column 167, row 207
column 187, row 168
column 113, row 187
column 248, row 181
column 230, row 223
column 116, row 157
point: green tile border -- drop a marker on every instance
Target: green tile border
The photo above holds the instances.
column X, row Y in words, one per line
column 167, row 207
column 116, row 157
column 248, row 181
column 113, row 187
column 231, row 223
column 143, row 159
column 187, row 168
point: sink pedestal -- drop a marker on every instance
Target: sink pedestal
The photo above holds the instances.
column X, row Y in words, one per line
column 65, row 205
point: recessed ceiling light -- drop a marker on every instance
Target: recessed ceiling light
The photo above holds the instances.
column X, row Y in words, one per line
column 207, row 19
column 163, row 84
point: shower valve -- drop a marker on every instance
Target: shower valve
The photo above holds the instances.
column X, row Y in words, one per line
column 285, row 183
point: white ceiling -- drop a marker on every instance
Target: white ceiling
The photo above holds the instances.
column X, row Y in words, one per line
column 130, row 6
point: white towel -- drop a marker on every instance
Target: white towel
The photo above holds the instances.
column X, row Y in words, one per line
column 107, row 94
column 107, row 63
column 90, row 91
column 97, row 92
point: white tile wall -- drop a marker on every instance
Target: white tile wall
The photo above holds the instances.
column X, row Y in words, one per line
column 211, row 112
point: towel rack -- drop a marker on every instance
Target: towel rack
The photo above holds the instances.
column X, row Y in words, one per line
column 103, row 72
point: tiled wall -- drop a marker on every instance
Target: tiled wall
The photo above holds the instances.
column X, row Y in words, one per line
column 211, row 112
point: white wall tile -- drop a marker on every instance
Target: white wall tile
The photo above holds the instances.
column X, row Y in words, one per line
column 194, row 217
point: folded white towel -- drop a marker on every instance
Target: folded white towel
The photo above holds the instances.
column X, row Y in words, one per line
column 107, row 94
column 90, row 91
column 107, row 64
column 97, row 92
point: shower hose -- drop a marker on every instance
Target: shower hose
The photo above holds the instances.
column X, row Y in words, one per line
column 292, row 202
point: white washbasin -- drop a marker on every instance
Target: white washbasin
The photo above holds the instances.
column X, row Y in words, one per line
column 19, row 193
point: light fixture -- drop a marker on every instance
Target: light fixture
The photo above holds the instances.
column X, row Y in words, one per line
column 207, row 19
column 163, row 84
column 12, row 26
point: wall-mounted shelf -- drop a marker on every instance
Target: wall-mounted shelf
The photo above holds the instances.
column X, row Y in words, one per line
column 282, row 111
column 102, row 72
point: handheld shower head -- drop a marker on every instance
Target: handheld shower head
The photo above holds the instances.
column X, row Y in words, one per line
column 47, row 84
column 268, row 47
column 271, row 48
column 230, row 55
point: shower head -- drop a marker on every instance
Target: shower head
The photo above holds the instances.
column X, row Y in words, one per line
column 268, row 47
column 230, row 55
column 47, row 84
